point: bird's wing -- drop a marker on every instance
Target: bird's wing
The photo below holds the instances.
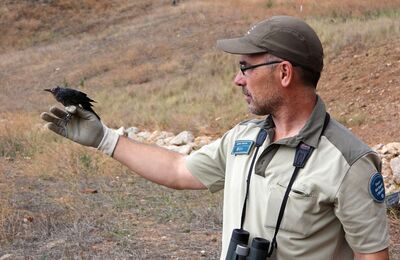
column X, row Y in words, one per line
column 81, row 98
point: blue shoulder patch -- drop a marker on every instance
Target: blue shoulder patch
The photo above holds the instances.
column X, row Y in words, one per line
column 242, row 147
column 377, row 188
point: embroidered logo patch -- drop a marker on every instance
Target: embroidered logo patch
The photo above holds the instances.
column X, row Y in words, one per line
column 242, row 147
column 377, row 188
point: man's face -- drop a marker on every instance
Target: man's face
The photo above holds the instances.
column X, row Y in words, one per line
column 260, row 85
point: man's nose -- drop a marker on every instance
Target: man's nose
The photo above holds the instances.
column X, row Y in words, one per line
column 240, row 79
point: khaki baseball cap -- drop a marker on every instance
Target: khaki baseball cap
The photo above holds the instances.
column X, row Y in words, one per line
column 286, row 37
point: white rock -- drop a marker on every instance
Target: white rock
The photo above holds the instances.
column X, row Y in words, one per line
column 158, row 135
column 131, row 131
column 144, row 135
column 134, row 137
column 182, row 138
column 161, row 142
column 154, row 136
column 202, row 140
column 386, row 170
column 390, row 189
column 395, row 166
column 183, row 149
column 393, row 148
column 6, row 256
column 165, row 134
column 384, row 150
column 168, row 139
column 377, row 148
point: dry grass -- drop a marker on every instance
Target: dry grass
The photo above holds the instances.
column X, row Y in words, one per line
column 20, row 135
column 150, row 65
column 337, row 33
column 60, row 200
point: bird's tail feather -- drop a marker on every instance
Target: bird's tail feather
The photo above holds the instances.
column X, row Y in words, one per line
column 90, row 109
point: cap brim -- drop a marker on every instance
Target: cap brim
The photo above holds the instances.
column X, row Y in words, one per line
column 239, row 46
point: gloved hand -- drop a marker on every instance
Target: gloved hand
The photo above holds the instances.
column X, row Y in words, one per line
column 82, row 127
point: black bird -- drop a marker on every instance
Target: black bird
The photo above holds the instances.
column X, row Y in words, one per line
column 69, row 97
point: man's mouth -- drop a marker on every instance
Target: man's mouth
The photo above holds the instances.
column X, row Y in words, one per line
column 246, row 95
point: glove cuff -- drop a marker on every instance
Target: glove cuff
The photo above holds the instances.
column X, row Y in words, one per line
column 109, row 141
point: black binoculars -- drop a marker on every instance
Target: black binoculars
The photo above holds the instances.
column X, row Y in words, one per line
column 238, row 247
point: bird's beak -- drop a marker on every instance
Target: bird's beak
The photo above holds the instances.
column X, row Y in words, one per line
column 47, row 89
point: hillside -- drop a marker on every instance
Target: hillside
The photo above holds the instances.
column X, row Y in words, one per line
column 154, row 65
column 135, row 48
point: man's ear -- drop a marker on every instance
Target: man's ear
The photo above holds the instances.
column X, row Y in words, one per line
column 286, row 73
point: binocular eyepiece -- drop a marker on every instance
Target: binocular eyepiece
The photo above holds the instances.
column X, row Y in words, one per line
column 238, row 247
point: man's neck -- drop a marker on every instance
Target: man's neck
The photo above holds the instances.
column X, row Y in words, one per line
column 292, row 117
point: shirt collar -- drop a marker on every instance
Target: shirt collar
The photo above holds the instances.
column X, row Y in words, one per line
column 310, row 133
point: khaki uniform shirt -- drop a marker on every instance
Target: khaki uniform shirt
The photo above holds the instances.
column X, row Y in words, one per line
column 330, row 211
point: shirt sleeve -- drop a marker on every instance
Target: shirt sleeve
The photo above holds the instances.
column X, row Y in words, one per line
column 208, row 163
column 364, row 220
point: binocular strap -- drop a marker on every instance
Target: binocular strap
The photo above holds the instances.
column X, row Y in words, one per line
column 259, row 141
column 303, row 152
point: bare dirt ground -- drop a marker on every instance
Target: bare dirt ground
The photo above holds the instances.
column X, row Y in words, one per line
column 58, row 200
column 361, row 87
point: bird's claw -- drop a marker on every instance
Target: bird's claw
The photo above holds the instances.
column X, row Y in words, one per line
column 67, row 118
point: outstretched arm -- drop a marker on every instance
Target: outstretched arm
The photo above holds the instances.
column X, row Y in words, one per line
column 151, row 162
column 156, row 164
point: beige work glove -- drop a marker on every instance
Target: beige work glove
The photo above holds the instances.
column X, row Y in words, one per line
column 82, row 127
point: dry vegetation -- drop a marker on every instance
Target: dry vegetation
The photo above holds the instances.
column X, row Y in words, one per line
column 154, row 65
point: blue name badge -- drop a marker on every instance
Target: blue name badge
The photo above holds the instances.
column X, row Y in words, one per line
column 377, row 188
column 242, row 147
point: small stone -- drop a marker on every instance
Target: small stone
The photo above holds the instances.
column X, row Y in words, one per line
column 168, row 139
column 377, row 147
column 154, row 136
column 165, row 134
column 159, row 135
column 89, row 191
column 6, row 256
column 384, row 150
column 28, row 219
column 393, row 148
column 386, row 170
column 203, row 140
column 395, row 166
column 203, row 253
column 183, row 149
column 144, row 135
column 182, row 138
column 160, row 142
column 131, row 131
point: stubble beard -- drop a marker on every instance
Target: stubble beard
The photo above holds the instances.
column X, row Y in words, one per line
column 268, row 104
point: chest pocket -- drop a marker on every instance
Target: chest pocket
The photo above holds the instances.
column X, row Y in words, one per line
column 301, row 210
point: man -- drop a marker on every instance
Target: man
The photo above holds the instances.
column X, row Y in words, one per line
column 335, row 208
